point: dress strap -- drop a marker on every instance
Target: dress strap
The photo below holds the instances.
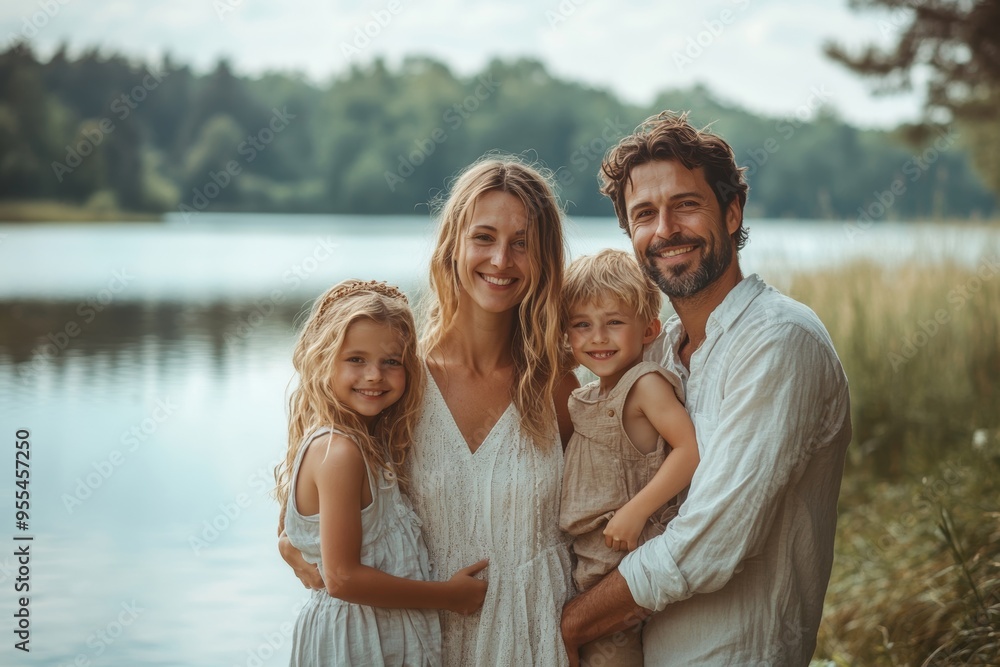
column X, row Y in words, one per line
column 619, row 394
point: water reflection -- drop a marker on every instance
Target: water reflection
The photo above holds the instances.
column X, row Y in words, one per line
column 154, row 435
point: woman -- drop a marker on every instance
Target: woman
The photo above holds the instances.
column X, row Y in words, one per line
column 487, row 461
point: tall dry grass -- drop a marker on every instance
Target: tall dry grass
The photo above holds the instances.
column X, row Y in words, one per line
column 916, row 579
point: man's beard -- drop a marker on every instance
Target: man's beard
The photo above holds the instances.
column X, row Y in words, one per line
column 680, row 286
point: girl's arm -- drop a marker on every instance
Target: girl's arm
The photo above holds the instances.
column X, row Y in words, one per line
column 339, row 477
column 655, row 399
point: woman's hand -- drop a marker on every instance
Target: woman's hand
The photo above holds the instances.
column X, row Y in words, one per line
column 307, row 572
column 468, row 592
column 623, row 530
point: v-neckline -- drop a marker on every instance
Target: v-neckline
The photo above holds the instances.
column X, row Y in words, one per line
column 451, row 416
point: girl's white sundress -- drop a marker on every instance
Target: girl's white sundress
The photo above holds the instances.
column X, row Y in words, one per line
column 330, row 631
column 501, row 503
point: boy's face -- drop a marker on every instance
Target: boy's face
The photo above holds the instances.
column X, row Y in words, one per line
column 607, row 337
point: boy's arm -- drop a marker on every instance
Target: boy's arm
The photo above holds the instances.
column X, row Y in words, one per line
column 655, row 399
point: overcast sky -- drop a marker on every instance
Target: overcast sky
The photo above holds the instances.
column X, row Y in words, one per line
column 765, row 55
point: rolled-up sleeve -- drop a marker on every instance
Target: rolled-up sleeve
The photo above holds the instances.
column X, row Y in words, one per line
column 779, row 397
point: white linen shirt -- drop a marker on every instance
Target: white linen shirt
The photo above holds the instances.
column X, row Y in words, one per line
column 740, row 574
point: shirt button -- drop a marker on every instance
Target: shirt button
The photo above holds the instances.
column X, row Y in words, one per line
column 611, row 413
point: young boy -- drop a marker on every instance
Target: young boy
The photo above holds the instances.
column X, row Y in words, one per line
column 618, row 481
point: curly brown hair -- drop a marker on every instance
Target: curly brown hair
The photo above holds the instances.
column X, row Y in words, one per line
column 669, row 136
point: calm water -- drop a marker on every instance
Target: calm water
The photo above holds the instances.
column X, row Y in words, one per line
column 150, row 363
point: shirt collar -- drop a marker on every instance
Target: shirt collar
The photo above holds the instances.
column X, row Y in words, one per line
column 727, row 312
column 737, row 301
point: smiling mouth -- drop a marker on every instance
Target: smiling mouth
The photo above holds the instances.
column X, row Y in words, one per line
column 603, row 354
column 674, row 252
column 371, row 393
column 499, row 282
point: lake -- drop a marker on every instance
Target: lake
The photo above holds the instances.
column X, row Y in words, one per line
column 149, row 363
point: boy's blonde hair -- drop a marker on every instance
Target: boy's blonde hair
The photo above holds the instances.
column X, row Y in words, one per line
column 314, row 403
column 615, row 275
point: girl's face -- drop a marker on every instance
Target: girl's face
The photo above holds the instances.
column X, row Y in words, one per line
column 368, row 374
column 492, row 262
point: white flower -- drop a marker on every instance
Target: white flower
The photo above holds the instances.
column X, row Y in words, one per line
column 980, row 438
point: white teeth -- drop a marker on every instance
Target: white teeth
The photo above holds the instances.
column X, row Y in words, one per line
column 496, row 281
column 601, row 355
column 673, row 252
column 369, row 392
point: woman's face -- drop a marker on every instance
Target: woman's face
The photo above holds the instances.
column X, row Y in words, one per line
column 492, row 259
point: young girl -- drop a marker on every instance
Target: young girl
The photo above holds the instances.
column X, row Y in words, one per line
column 350, row 427
column 618, row 480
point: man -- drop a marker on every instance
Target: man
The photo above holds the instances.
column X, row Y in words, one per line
column 740, row 574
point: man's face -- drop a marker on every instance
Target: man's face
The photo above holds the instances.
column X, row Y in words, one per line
column 677, row 229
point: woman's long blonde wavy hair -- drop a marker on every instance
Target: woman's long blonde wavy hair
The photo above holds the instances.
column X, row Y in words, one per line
column 313, row 404
column 540, row 357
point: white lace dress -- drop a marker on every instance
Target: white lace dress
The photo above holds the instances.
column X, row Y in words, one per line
column 330, row 631
column 501, row 503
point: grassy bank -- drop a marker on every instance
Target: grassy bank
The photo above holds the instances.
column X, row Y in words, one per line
column 916, row 580
column 30, row 210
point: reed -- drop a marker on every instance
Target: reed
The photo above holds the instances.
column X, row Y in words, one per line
column 916, row 580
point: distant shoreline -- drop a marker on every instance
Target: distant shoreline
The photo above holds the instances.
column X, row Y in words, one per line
column 33, row 210
column 27, row 211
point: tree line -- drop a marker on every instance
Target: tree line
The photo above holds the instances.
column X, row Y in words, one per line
column 102, row 130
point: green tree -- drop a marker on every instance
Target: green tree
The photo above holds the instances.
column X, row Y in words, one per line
column 958, row 44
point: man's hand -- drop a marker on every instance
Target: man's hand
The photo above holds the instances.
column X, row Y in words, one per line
column 307, row 572
column 606, row 608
